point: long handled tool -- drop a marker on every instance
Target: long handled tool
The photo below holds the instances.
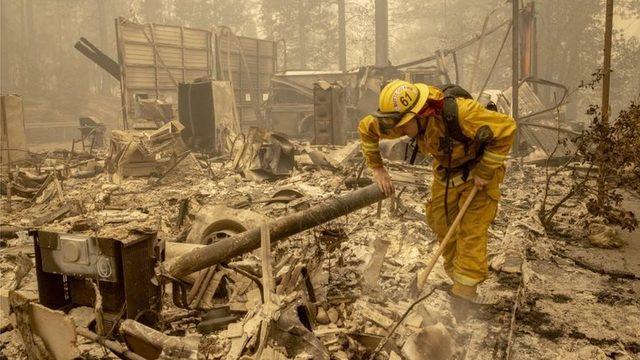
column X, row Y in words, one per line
column 421, row 277
column 423, row 274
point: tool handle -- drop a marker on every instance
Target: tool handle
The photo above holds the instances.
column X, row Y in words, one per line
column 424, row 273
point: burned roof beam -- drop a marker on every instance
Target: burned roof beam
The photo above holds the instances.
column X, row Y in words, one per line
column 97, row 56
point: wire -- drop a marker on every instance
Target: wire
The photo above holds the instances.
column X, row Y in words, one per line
column 495, row 61
column 254, row 101
column 457, row 48
column 386, row 339
column 631, row 24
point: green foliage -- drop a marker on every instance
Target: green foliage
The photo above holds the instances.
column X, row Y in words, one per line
column 153, row 11
column 611, row 147
column 417, row 28
column 39, row 59
column 570, row 45
column 309, row 28
column 420, row 28
column 625, row 79
column 205, row 14
column 201, row 14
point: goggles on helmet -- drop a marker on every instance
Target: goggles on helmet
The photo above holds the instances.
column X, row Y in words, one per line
column 388, row 121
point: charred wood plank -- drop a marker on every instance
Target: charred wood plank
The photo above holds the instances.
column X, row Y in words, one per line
column 101, row 59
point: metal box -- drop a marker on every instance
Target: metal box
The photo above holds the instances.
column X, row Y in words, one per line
column 123, row 270
column 330, row 113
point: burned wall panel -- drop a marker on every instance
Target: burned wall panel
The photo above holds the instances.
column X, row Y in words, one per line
column 249, row 64
column 13, row 139
column 155, row 58
column 208, row 114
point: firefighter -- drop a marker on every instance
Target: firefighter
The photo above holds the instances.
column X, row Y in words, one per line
column 469, row 145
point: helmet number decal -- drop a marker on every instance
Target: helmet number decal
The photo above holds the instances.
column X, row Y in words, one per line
column 405, row 99
column 402, row 98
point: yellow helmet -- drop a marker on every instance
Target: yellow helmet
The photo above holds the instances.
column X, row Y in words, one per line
column 400, row 101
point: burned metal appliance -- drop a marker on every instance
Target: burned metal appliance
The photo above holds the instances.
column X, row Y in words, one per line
column 330, row 113
column 290, row 108
column 207, row 111
column 68, row 264
column 265, row 155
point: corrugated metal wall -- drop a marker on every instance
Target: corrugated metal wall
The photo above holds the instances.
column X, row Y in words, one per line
column 155, row 58
column 250, row 77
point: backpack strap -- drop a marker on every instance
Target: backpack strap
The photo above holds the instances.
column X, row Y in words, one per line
column 451, row 124
column 414, row 142
column 453, row 130
column 455, row 90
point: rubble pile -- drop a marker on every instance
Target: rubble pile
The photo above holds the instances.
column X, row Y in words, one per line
column 337, row 291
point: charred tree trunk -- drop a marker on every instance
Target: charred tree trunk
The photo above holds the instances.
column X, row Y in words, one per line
column 236, row 245
column 30, row 67
column 103, row 10
column 4, row 49
column 342, row 37
column 302, row 39
column 606, row 79
column 382, row 33
column 515, row 67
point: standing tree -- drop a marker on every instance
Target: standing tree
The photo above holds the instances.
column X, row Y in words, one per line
column 309, row 29
column 614, row 142
column 206, row 14
column 570, row 47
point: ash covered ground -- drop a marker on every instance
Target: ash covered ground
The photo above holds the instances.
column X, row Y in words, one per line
column 560, row 296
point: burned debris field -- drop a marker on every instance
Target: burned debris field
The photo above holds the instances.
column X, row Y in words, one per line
column 310, row 179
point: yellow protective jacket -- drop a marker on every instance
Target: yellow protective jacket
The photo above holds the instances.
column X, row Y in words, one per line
column 471, row 116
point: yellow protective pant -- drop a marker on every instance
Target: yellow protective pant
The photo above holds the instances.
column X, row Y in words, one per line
column 465, row 257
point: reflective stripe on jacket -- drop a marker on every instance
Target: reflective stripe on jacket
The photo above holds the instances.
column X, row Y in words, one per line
column 475, row 121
